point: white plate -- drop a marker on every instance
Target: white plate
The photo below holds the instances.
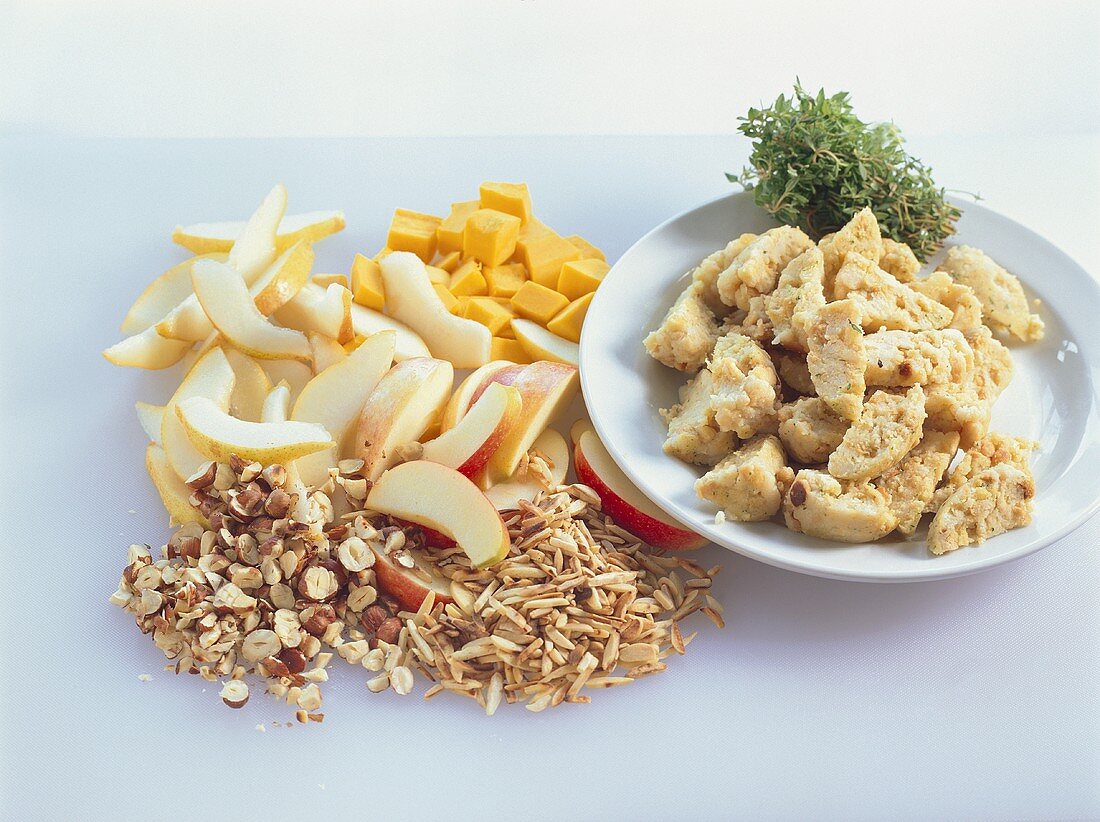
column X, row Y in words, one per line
column 1053, row 397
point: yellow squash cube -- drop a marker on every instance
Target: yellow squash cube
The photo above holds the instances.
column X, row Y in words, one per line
column 449, row 299
column 366, row 282
column 511, row 198
column 507, row 332
column 537, row 302
column 325, row 280
column 459, row 307
column 586, row 248
column 567, row 323
column 386, row 250
column 580, row 277
column 449, row 233
column 413, row 231
column 544, row 256
column 505, row 280
column 488, row 312
column 503, row 348
column 490, row 236
column 450, row 261
column 468, row 281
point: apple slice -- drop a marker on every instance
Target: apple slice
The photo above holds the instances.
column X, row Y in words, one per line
column 147, row 350
column 462, row 398
column 225, row 299
column 310, row 226
column 624, row 503
column 546, row 389
column 150, row 416
column 211, row 377
column 174, row 493
column 408, row 399
column 335, row 399
column 276, row 404
column 218, row 435
column 541, row 344
column 162, row 295
column 411, row 299
column 250, row 387
column 366, row 321
column 579, row 427
column 506, row 495
column 324, row 310
column 468, row 446
column 406, row 587
column 444, row 500
column 326, row 351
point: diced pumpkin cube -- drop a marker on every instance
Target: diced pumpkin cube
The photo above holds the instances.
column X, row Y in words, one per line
column 450, row 261
column 449, row 299
column 505, row 280
column 490, row 236
column 544, row 256
column 468, row 280
column 385, row 250
column 580, row 277
column 449, row 233
column 437, row 275
column 325, row 280
column 511, row 198
column 529, row 232
column 488, row 312
column 585, row 248
column 507, row 332
column 413, row 231
column 503, row 348
column 567, row 323
column 537, row 302
column 366, row 282
column 459, row 307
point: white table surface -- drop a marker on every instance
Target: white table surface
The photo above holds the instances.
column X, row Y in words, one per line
column 971, row 698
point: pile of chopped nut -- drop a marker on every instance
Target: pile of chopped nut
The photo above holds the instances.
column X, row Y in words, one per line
column 278, row 575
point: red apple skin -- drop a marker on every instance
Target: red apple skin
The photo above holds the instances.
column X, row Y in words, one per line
column 477, row 460
column 505, row 376
column 406, row 589
column 431, row 536
column 644, row 527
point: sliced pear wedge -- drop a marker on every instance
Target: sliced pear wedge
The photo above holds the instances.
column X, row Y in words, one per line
column 162, row 295
column 541, row 344
column 224, row 297
column 251, row 386
column 218, row 435
column 276, row 404
column 202, row 238
column 283, row 278
column 322, row 310
column 254, row 248
column 211, row 377
column 173, row 492
column 147, row 350
column 326, row 351
column 150, row 416
column 366, row 321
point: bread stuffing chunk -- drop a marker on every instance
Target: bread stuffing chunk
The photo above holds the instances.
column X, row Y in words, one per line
column 794, row 373
column 693, row 435
column 756, row 323
column 912, row 483
column 897, row 359
column 888, row 427
column 861, row 235
column 798, row 295
column 837, row 359
column 966, row 311
column 886, row 303
column 706, row 273
column 746, row 387
column 687, row 334
column 810, row 431
column 991, row 450
column 756, row 269
column 822, row 506
column 1004, row 303
column 749, row 484
column 965, row 406
column 898, row 259
column 991, row 502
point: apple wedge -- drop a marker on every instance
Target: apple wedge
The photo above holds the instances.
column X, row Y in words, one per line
column 211, row 377
column 546, row 388
column 162, row 295
column 444, row 500
column 151, row 417
column 250, row 387
column 310, row 226
column 276, row 404
column 411, row 299
column 324, row 310
column 147, row 350
column 624, row 503
column 541, row 344
column 469, row 445
column 579, row 427
column 225, row 299
column 404, row 403
column 218, row 435
column 326, row 351
column 173, row 492
column 403, row 585
column 366, row 321
column 506, row 495
column 462, row 398
column 335, row 399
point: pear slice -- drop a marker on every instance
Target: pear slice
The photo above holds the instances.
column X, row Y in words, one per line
column 541, row 344
column 326, row 351
column 173, row 492
column 276, row 404
column 253, row 249
column 218, row 435
column 367, row 321
column 211, row 377
column 162, row 295
column 150, row 416
column 311, row 226
column 250, row 387
column 147, row 350
column 224, row 297
column 324, row 310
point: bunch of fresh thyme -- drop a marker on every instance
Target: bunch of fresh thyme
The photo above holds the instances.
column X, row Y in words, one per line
column 814, row 164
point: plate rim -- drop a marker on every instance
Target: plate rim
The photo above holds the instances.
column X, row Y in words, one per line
column 903, row 576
